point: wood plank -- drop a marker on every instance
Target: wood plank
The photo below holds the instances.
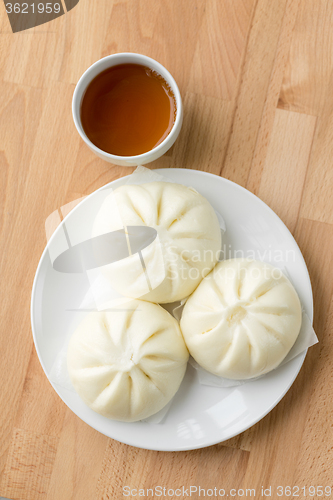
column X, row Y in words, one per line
column 258, row 92
column 317, row 203
column 41, row 411
column 46, row 48
column 310, row 60
column 29, row 466
column 204, row 134
column 314, row 466
column 16, row 339
column 286, row 163
column 220, row 47
column 169, row 470
column 38, row 161
column 268, row 115
column 79, row 460
column 80, row 178
column 4, row 21
column 81, row 23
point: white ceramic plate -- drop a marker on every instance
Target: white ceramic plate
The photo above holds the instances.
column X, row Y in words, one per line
column 199, row 415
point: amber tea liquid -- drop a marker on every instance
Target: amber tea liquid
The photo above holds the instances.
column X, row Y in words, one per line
column 128, row 109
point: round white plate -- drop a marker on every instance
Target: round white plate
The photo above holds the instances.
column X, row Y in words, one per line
column 199, row 415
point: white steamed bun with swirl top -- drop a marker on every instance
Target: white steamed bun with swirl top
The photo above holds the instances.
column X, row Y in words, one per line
column 127, row 364
column 186, row 247
column 242, row 320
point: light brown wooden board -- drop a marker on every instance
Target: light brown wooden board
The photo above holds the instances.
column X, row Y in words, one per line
column 256, row 80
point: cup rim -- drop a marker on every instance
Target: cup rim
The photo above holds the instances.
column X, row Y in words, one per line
column 154, row 65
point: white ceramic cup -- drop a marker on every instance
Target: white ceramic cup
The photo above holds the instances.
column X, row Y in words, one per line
column 108, row 62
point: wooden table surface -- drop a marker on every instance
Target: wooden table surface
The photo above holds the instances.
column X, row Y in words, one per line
column 256, row 80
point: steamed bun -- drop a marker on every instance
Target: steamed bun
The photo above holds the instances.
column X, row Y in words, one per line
column 186, row 247
column 242, row 320
column 127, row 364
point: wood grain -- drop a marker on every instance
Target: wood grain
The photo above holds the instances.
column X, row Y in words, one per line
column 204, row 133
column 79, row 461
column 318, row 199
column 255, row 86
column 219, row 48
column 308, row 70
column 287, row 161
column 316, row 242
column 176, row 469
column 256, row 80
column 29, row 465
